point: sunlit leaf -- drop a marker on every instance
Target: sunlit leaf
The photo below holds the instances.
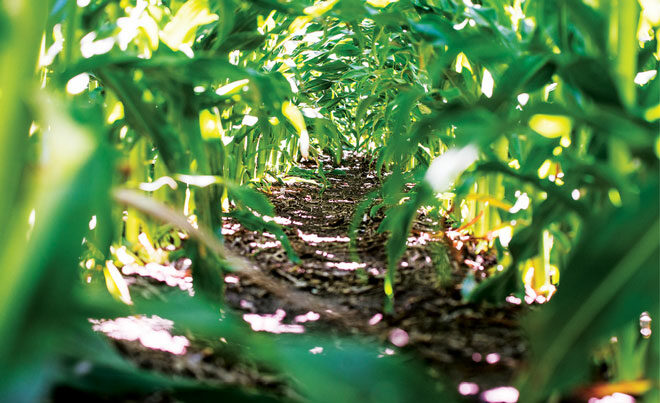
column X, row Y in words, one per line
column 551, row 126
column 201, row 181
column 116, row 284
column 380, row 3
column 487, row 84
column 291, row 112
column 232, row 88
column 624, row 26
column 320, row 8
column 210, row 125
column 181, row 30
column 651, row 11
column 77, row 84
column 299, row 23
column 445, row 169
column 652, row 114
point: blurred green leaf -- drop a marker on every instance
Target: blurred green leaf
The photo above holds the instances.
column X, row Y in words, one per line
column 36, row 288
column 611, row 278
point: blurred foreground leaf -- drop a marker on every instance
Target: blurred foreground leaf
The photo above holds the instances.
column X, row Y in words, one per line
column 611, row 278
column 36, row 301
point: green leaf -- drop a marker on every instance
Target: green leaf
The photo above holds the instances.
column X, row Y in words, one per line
column 611, row 278
column 36, row 298
column 248, row 197
column 353, row 373
column 180, row 31
column 592, row 77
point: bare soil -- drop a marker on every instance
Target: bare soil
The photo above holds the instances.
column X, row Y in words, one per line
column 431, row 321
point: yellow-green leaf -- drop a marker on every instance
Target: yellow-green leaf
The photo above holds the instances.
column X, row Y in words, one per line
column 320, row 8
column 180, row 32
column 299, row 23
column 304, row 144
column 232, row 88
column 551, row 126
column 116, row 283
column 291, row 112
column 150, row 28
column 210, row 125
column 544, row 169
column 380, row 3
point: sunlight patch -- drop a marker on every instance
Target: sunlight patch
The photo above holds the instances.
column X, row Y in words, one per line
column 316, row 350
column 348, row 266
column 446, row 168
column 157, row 184
column 233, row 87
column 468, row 388
column 89, row 46
column 230, row 229
column 522, row 203
column 178, row 34
column 308, row 317
column 388, row 351
column 503, row 394
column 487, row 84
column 645, row 324
column 380, row 3
column 77, row 84
column 265, row 245
column 229, row 279
column 551, row 126
column 152, row 332
column 493, row 358
column 167, row 274
column 613, row 398
column 314, row 239
column 320, row 8
column 399, row 337
column 271, row 323
column 375, row 319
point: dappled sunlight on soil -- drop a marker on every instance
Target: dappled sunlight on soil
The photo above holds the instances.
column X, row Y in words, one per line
column 152, row 332
column 168, row 274
column 613, row 398
column 314, row 239
column 316, row 350
column 478, row 348
column 399, row 337
column 346, row 265
column 271, row 323
column 503, row 394
column 477, row 345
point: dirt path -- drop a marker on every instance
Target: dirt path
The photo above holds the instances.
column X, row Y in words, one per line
column 465, row 342
column 459, row 342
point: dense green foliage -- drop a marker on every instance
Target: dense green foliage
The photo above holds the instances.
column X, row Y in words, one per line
column 555, row 102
